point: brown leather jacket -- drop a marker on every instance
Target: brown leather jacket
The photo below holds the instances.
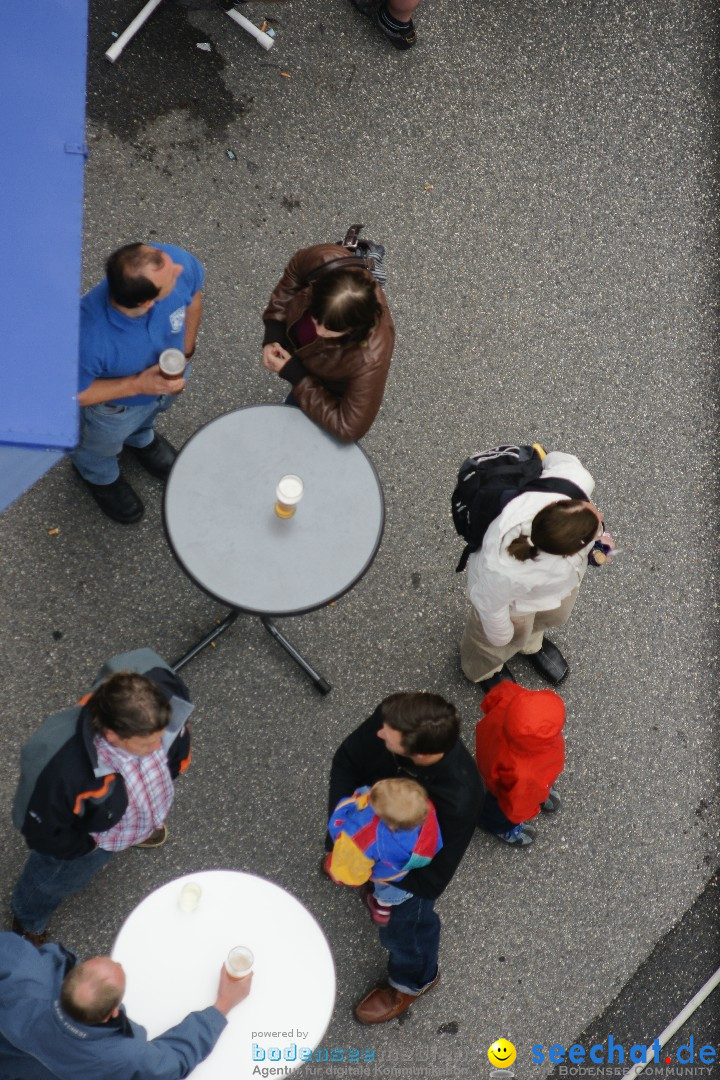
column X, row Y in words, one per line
column 338, row 384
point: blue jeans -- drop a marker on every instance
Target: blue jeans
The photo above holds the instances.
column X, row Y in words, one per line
column 106, row 428
column 390, row 894
column 491, row 818
column 412, row 938
column 46, row 881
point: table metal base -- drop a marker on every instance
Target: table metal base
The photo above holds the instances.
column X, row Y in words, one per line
column 321, row 684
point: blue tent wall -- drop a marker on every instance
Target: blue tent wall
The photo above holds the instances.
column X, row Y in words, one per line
column 43, row 48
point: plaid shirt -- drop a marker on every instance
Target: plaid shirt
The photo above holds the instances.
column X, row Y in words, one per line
column 150, row 792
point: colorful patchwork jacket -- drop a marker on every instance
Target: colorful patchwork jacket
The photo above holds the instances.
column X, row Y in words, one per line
column 64, row 795
column 365, row 849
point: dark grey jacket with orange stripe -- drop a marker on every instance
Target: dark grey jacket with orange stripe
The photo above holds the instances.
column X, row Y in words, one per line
column 64, row 795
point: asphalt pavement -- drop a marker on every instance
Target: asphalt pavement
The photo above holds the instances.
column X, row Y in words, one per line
column 544, row 177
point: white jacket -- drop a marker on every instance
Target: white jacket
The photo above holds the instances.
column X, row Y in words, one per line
column 500, row 586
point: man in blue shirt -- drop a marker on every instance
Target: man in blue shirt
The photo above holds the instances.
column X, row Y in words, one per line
column 62, row 1020
column 151, row 300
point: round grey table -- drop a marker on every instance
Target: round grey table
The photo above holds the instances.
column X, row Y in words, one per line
column 222, row 527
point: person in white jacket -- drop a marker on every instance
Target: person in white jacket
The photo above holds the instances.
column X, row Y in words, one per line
column 525, row 577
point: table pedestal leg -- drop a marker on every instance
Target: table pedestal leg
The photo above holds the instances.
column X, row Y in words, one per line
column 322, row 685
column 215, row 632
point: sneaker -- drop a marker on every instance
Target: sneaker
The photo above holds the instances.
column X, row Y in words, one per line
column 36, row 939
column 379, row 913
column 158, row 458
column 155, row 839
column 118, row 500
column 521, row 835
column 552, row 803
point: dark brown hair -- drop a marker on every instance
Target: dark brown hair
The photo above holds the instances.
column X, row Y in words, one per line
column 561, row 528
column 427, row 722
column 344, row 301
column 128, row 704
column 127, row 284
column 104, row 996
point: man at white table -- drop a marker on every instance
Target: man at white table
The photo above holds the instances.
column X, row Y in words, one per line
column 64, row 1020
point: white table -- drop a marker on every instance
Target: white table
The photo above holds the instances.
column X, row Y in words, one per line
column 221, row 525
column 172, row 962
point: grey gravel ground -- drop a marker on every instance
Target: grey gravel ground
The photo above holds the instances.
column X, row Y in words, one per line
column 544, row 177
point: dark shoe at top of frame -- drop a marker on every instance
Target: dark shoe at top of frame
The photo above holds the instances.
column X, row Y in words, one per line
column 36, row 939
column 385, row 1003
column 118, row 500
column 401, row 35
column 502, row 675
column 157, row 458
column 549, row 662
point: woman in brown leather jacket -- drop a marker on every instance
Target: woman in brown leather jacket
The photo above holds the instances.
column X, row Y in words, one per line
column 329, row 332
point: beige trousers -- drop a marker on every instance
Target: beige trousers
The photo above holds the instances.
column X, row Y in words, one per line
column 480, row 659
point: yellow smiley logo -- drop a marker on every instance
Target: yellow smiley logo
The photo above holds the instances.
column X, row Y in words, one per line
column 501, row 1054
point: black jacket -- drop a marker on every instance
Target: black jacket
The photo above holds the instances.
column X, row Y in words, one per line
column 63, row 795
column 453, row 784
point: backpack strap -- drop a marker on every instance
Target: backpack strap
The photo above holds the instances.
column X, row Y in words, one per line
column 556, row 484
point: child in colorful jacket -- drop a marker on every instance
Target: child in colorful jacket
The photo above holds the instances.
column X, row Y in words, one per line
column 380, row 834
column 520, row 752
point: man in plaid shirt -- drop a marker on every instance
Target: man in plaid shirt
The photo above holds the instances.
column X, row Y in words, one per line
column 97, row 779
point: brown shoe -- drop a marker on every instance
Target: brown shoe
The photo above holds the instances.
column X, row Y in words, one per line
column 34, row 939
column 155, row 839
column 385, row 1003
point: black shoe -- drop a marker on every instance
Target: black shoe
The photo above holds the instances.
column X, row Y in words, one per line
column 374, row 9
column 117, row 500
column 401, row 39
column 157, row 458
column 549, row 662
column 503, row 674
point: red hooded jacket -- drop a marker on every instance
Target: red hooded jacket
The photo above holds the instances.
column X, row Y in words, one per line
column 519, row 747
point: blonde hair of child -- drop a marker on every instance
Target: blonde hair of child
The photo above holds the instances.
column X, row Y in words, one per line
column 400, row 804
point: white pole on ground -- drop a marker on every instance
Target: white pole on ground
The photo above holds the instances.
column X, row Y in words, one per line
column 130, row 31
column 262, row 39
column 674, row 1025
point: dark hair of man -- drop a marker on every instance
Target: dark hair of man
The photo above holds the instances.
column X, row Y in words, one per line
column 105, row 996
column 562, row 528
column 344, row 301
column 126, row 282
column 427, row 722
column 128, row 704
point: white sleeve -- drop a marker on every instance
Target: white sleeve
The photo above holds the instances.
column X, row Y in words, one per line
column 490, row 596
column 569, row 468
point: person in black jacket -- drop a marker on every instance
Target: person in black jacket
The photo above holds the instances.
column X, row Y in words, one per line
column 97, row 779
column 413, row 735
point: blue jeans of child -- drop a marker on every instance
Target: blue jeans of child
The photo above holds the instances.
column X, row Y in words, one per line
column 412, row 938
column 388, row 894
column 106, row 428
column 46, row 881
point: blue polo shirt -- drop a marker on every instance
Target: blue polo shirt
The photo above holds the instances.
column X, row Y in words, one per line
column 113, row 344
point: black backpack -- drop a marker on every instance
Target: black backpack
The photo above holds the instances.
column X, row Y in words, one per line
column 488, row 481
